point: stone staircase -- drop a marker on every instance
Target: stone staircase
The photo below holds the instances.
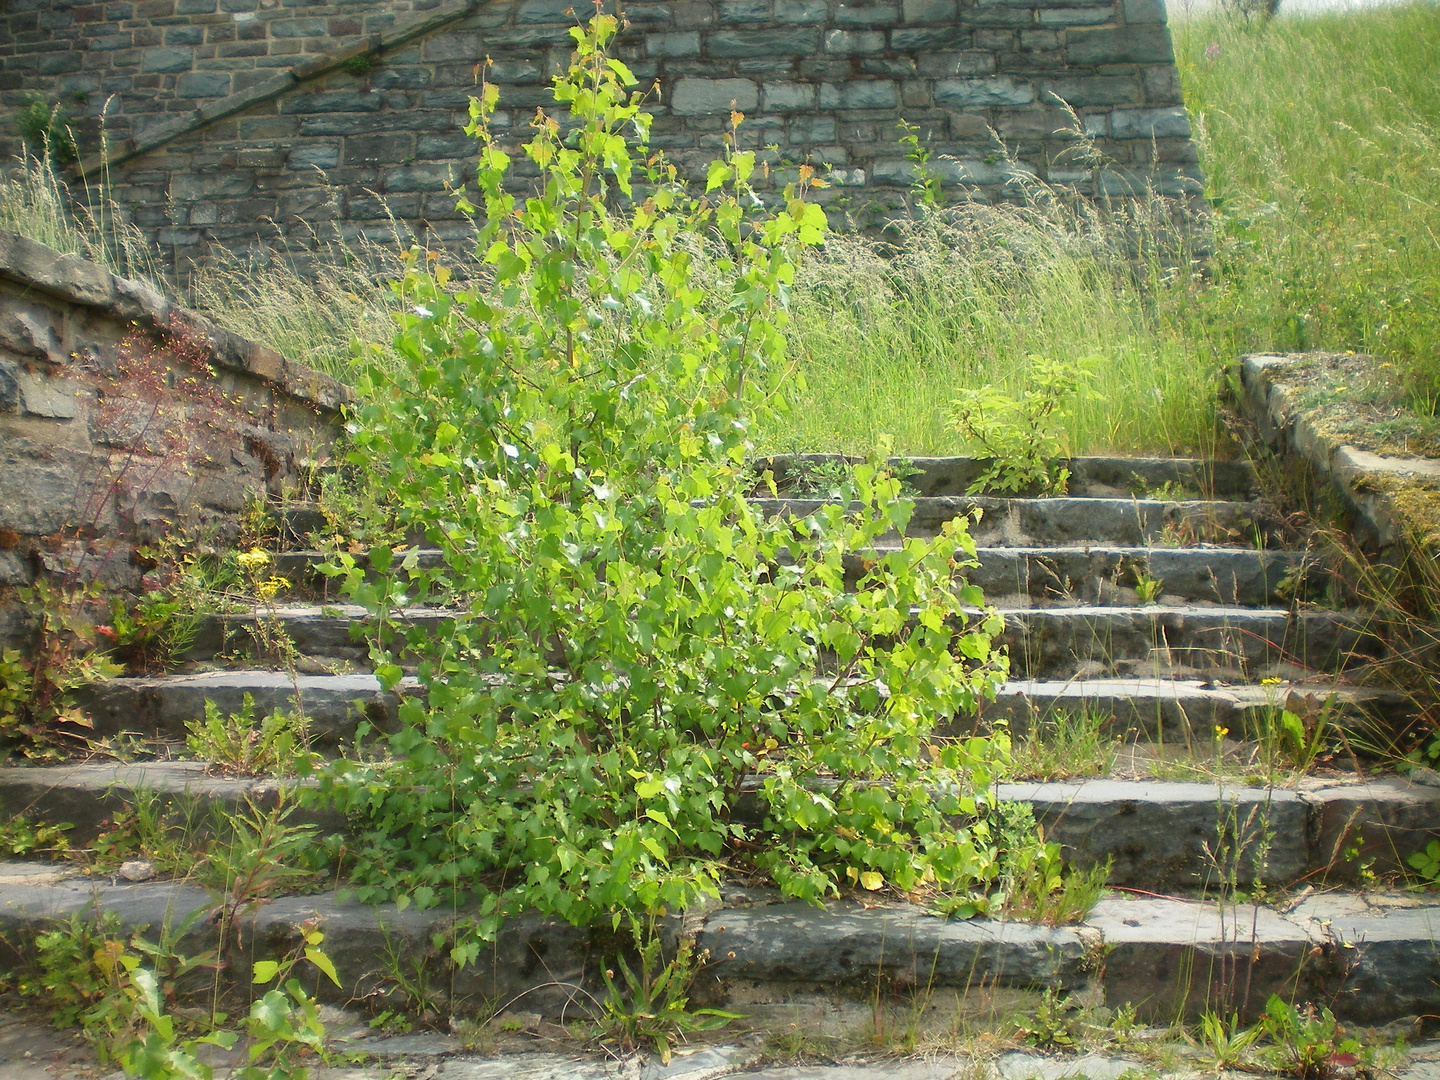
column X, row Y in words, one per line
column 1157, row 596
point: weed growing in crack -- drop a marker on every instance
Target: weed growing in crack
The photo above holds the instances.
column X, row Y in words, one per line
column 240, row 745
column 1065, row 744
column 1225, row 1043
column 647, row 1003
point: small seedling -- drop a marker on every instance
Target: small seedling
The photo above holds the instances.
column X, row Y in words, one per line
column 1225, row 1043
column 1308, row 1043
column 1148, row 589
column 1054, row 1025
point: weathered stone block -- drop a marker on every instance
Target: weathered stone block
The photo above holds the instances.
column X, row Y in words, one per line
column 453, row 46
column 974, row 93
column 743, row 11
column 846, row 42
column 680, row 44
column 41, row 395
column 701, row 96
column 546, row 11
column 1119, row 45
column 184, row 35
column 1076, row 16
column 787, row 96
column 298, row 28
column 927, row 39
column 1149, row 123
column 903, row 66
column 332, row 101
column 1162, row 84
column 928, row 11
column 1094, row 90
column 866, row 14
column 166, row 61
column 428, row 177
column 314, row 156
column 1144, row 11
column 802, row 11
column 187, row 187
column 812, row 129
column 859, row 94
column 730, row 43
column 203, row 84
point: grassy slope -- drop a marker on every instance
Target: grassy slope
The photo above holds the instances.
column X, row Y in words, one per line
column 1321, row 140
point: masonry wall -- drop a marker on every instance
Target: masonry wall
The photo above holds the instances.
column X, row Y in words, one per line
column 126, row 420
column 242, row 122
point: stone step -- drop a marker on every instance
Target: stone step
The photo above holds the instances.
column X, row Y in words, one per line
column 1187, row 711
column 1237, row 644
column 1108, row 574
column 1102, row 573
column 1369, row 957
column 1167, row 710
column 1103, row 477
column 1160, row 835
column 159, row 708
column 1018, row 522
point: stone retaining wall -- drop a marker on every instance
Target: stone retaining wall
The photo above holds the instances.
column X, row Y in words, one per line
column 237, row 122
column 125, row 419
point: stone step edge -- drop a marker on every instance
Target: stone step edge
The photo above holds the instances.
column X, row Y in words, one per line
column 1080, row 641
column 1156, row 834
column 930, row 473
column 334, row 704
column 1371, row 959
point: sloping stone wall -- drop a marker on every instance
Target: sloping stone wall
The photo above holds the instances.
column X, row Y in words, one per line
column 239, row 122
column 125, row 419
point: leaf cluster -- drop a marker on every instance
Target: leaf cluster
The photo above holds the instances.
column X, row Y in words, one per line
column 1022, row 434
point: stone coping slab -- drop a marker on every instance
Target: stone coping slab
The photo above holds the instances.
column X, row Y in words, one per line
column 401, row 31
column 71, row 278
column 1388, row 516
column 1375, row 956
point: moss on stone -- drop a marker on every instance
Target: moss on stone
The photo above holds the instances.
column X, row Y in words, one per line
column 1359, row 401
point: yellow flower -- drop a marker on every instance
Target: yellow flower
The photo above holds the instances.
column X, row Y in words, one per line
column 253, row 559
column 267, row 589
column 1221, row 732
column 1271, row 682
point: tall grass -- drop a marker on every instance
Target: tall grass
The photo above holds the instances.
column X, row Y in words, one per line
column 36, row 203
column 886, row 332
column 319, row 307
column 1320, row 136
column 1320, row 139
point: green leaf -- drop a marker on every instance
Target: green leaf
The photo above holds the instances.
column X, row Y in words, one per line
column 264, row 970
column 323, row 962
